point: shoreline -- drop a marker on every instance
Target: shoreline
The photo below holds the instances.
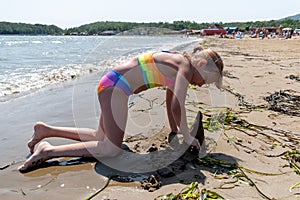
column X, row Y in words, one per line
column 254, row 69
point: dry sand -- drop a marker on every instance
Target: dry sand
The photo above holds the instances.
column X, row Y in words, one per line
column 254, row 69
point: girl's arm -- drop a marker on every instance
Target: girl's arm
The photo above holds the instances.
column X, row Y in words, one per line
column 178, row 107
column 169, row 97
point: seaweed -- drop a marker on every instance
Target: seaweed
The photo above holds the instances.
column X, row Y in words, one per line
column 222, row 164
column 293, row 157
column 102, row 188
column 255, row 186
column 243, row 103
column 209, row 194
column 212, row 124
column 293, row 77
column 191, row 192
column 236, row 171
column 294, row 186
column 229, row 119
column 284, row 102
column 8, row 165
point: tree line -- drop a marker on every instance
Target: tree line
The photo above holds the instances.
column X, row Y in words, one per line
column 29, row 29
column 98, row 27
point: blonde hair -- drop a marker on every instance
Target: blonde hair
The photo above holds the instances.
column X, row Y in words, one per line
column 212, row 57
column 214, row 60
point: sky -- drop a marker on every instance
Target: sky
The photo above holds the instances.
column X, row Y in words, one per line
column 73, row 13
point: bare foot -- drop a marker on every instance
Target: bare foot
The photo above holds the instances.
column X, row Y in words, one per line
column 40, row 155
column 40, row 130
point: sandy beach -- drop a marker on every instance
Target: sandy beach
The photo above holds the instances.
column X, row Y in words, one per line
column 257, row 141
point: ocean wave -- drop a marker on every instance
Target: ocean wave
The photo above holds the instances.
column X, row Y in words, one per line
column 56, row 42
column 24, row 83
column 17, row 83
column 37, row 42
column 11, row 43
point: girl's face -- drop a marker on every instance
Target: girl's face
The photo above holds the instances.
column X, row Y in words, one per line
column 209, row 75
column 205, row 63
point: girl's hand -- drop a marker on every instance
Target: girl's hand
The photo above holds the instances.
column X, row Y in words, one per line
column 192, row 141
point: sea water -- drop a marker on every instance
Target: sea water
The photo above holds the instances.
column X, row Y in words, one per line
column 29, row 63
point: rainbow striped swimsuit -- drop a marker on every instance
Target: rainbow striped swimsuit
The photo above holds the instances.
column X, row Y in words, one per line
column 152, row 76
column 114, row 78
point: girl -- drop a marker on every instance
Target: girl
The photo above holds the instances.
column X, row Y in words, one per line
column 172, row 69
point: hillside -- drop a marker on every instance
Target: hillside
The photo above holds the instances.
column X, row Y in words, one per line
column 29, row 29
column 294, row 17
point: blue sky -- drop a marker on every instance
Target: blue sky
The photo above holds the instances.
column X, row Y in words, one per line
column 72, row 13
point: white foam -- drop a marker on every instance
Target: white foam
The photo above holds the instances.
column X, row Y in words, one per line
column 37, row 42
column 10, row 43
column 16, row 83
column 56, row 42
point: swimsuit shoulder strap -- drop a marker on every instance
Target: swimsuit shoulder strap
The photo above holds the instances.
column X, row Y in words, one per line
column 172, row 52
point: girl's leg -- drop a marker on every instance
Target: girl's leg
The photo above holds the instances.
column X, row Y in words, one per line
column 42, row 130
column 114, row 115
column 114, row 110
column 45, row 151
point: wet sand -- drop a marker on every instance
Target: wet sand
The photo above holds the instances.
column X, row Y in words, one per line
column 253, row 68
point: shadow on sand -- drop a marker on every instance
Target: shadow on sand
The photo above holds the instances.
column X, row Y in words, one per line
column 186, row 169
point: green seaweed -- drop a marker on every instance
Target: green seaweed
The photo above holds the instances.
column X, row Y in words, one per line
column 216, row 163
column 191, row 193
column 294, row 186
column 242, row 177
column 102, row 188
column 255, row 186
column 234, row 170
column 230, row 119
column 209, row 194
column 293, row 157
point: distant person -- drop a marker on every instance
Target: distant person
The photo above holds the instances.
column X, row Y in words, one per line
column 175, row 70
column 280, row 34
column 291, row 33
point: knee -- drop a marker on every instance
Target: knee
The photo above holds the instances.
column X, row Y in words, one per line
column 111, row 150
column 98, row 134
